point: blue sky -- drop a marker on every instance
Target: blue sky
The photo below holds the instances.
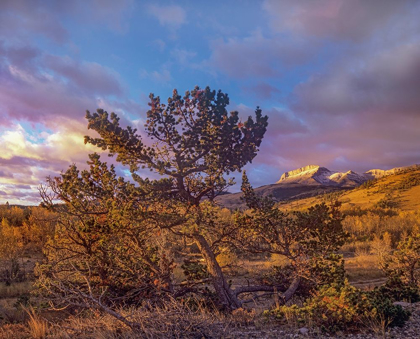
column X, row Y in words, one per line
column 340, row 80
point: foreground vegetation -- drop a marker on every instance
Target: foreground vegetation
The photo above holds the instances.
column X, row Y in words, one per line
column 159, row 258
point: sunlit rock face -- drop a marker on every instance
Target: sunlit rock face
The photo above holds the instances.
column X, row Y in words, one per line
column 317, row 175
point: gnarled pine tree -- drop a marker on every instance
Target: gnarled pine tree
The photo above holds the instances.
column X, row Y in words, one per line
column 197, row 143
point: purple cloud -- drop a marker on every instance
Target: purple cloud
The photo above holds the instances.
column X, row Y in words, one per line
column 261, row 90
column 338, row 19
column 22, row 19
column 86, row 77
column 38, row 87
column 383, row 84
column 258, row 56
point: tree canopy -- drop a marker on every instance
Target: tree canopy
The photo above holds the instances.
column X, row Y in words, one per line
column 196, row 141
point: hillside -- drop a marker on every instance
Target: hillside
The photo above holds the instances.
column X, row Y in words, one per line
column 312, row 184
column 400, row 190
column 279, row 192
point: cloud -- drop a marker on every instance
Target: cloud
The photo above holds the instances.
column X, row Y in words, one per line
column 26, row 160
column 359, row 112
column 385, row 83
column 280, row 121
column 41, row 87
column 159, row 44
column 258, row 56
column 182, row 56
column 172, row 16
column 38, row 97
column 359, row 108
column 305, row 35
column 337, row 19
column 86, row 77
column 66, row 144
column 23, row 19
column 261, row 90
column 162, row 76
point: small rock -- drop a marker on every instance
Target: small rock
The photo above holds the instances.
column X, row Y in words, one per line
column 402, row 303
column 303, row 331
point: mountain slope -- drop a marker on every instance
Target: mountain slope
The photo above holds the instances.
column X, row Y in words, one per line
column 312, row 180
column 279, row 193
column 317, row 175
column 398, row 189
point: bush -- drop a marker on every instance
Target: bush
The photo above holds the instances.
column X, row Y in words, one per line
column 389, row 201
column 194, row 270
column 320, row 271
column 396, row 290
column 337, row 308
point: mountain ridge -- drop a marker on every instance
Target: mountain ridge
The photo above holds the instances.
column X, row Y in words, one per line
column 314, row 174
column 311, row 181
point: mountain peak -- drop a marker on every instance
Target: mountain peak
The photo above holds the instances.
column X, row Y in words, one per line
column 317, row 175
column 299, row 172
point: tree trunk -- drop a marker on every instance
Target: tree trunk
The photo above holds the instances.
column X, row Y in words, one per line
column 222, row 288
column 285, row 296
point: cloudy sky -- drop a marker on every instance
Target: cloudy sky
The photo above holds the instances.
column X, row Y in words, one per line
column 339, row 80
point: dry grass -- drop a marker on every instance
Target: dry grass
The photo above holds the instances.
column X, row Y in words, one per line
column 38, row 327
column 356, row 247
column 15, row 289
column 363, row 268
column 172, row 320
column 13, row 331
column 12, row 315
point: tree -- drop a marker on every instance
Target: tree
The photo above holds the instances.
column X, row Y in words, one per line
column 109, row 246
column 197, row 142
column 10, row 250
column 105, row 252
column 308, row 240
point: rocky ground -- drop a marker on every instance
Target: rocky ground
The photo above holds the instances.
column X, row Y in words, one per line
column 411, row 330
column 258, row 330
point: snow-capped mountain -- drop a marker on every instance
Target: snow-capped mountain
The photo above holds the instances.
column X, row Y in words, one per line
column 317, row 175
column 310, row 181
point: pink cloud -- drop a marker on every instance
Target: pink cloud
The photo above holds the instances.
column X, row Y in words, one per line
column 40, row 88
column 87, row 77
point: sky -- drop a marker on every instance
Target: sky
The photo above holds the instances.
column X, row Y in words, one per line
column 339, row 80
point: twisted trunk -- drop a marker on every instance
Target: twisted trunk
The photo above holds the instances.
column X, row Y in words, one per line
column 222, row 288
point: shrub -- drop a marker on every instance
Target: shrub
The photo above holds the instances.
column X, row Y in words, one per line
column 389, row 201
column 368, row 184
column 337, row 308
column 194, row 270
column 404, row 262
column 396, row 290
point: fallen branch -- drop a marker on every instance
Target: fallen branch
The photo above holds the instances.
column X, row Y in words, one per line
column 285, row 296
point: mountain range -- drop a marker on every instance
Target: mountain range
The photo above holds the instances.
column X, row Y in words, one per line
column 310, row 181
column 317, row 175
